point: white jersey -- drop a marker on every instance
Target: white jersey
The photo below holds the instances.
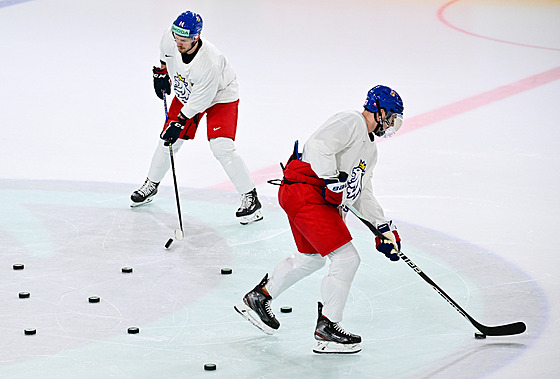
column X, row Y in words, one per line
column 207, row 80
column 342, row 143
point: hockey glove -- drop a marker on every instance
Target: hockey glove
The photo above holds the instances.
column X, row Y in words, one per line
column 161, row 81
column 171, row 134
column 392, row 244
column 334, row 189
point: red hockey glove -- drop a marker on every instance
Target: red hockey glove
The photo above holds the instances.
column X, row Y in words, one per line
column 333, row 191
column 392, row 244
column 161, row 81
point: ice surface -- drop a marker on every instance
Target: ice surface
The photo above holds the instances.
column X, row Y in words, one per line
column 474, row 191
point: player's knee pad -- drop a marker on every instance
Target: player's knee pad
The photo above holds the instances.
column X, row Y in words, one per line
column 344, row 263
column 308, row 263
column 223, row 149
column 161, row 160
column 292, row 269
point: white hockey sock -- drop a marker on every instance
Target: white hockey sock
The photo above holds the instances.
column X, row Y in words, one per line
column 291, row 270
column 234, row 166
column 336, row 285
column 161, row 161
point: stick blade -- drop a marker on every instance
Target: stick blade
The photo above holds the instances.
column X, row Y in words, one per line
column 503, row 330
column 179, row 234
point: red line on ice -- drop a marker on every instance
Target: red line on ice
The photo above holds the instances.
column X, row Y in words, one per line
column 433, row 116
column 480, row 100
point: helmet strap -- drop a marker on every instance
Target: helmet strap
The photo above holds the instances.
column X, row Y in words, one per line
column 378, row 131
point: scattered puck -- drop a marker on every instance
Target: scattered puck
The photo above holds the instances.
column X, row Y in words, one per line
column 479, row 336
column 18, row 266
column 209, row 366
column 30, row 331
column 24, row 295
column 127, row 269
column 133, row 330
column 226, row 271
column 286, row 309
column 168, row 243
column 94, row 299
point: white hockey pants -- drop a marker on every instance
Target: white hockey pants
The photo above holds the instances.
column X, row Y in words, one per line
column 335, row 287
column 224, row 151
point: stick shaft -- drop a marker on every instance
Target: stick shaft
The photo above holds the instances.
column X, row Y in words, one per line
column 165, row 106
column 501, row 330
column 173, row 169
column 176, row 189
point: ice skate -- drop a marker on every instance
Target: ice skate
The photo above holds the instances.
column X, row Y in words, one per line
column 255, row 307
column 144, row 194
column 332, row 339
column 249, row 211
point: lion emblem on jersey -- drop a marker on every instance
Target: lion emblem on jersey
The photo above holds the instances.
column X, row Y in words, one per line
column 354, row 185
column 181, row 87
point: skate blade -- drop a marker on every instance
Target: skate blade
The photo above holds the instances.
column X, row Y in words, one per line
column 134, row 205
column 326, row 347
column 245, row 312
column 256, row 216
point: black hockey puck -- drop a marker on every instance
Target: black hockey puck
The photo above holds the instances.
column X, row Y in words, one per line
column 18, row 266
column 286, row 309
column 30, row 331
column 210, row 367
column 479, row 336
column 24, row 295
column 133, row 330
column 94, row 299
column 168, row 243
column 127, row 270
column 226, row 271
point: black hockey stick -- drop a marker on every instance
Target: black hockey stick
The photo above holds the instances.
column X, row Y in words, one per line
column 500, row 330
column 178, row 232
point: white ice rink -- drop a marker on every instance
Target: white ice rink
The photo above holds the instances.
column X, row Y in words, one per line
column 472, row 180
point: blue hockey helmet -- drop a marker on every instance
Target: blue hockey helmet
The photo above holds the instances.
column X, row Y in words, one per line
column 383, row 97
column 188, row 24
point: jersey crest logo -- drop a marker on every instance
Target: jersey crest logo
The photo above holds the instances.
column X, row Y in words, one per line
column 181, row 87
column 354, row 185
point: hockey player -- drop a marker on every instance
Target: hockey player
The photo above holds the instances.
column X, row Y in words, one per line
column 204, row 84
column 335, row 169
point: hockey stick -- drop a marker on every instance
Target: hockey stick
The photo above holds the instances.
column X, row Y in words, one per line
column 178, row 232
column 500, row 330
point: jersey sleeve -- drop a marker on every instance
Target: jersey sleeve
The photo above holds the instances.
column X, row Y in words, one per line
column 164, row 46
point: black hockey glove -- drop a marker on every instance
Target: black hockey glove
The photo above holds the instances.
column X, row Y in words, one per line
column 392, row 244
column 173, row 131
column 161, row 81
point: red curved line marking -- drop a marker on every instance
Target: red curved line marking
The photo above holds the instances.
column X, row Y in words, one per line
column 433, row 116
column 477, row 101
column 447, row 23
